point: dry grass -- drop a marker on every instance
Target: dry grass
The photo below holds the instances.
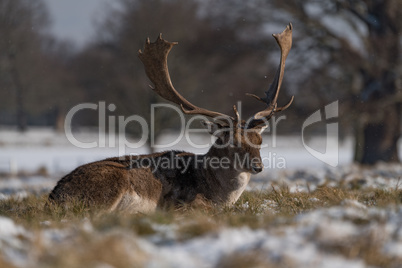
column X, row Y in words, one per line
column 5, row 264
column 253, row 259
column 265, row 209
column 366, row 247
column 111, row 250
column 31, row 211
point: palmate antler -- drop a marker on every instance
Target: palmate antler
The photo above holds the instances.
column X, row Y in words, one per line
column 284, row 41
column 154, row 59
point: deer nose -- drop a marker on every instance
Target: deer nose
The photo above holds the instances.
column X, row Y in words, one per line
column 257, row 168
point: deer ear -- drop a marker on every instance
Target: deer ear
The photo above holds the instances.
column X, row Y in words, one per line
column 214, row 129
column 261, row 129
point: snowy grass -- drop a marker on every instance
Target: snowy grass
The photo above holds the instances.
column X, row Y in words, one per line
column 306, row 215
column 328, row 227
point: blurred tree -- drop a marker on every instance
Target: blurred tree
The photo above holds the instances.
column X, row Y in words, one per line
column 109, row 69
column 213, row 66
column 21, row 22
column 32, row 71
column 58, row 85
column 353, row 49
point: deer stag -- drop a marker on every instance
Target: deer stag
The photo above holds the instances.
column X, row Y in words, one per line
column 142, row 183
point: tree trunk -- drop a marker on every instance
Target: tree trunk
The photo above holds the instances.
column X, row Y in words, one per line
column 19, row 92
column 21, row 116
column 378, row 141
column 59, row 119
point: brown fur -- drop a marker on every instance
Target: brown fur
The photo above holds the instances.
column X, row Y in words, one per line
column 137, row 184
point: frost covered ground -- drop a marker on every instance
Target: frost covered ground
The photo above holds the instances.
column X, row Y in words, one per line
column 307, row 215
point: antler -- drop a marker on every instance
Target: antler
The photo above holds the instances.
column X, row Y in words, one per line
column 154, row 59
column 284, row 41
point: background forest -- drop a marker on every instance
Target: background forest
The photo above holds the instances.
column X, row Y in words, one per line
column 345, row 50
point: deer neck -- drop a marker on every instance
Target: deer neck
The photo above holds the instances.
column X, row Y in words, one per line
column 221, row 166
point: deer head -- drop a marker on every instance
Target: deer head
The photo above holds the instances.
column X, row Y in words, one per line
column 234, row 136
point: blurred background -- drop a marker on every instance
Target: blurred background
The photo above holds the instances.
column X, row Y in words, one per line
column 56, row 54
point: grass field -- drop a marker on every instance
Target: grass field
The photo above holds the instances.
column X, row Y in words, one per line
column 304, row 215
column 329, row 227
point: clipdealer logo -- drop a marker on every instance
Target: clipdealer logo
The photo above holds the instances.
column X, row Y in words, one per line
column 331, row 154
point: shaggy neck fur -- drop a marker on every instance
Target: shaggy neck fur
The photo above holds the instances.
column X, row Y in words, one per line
column 227, row 175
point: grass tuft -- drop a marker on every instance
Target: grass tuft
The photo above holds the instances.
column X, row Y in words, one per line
column 108, row 243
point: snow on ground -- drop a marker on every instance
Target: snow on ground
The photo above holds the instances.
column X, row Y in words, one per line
column 39, row 148
column 304, row 242
column 382, row 176
column 35, row 160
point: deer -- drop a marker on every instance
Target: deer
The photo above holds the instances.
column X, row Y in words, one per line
column 141, row 184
